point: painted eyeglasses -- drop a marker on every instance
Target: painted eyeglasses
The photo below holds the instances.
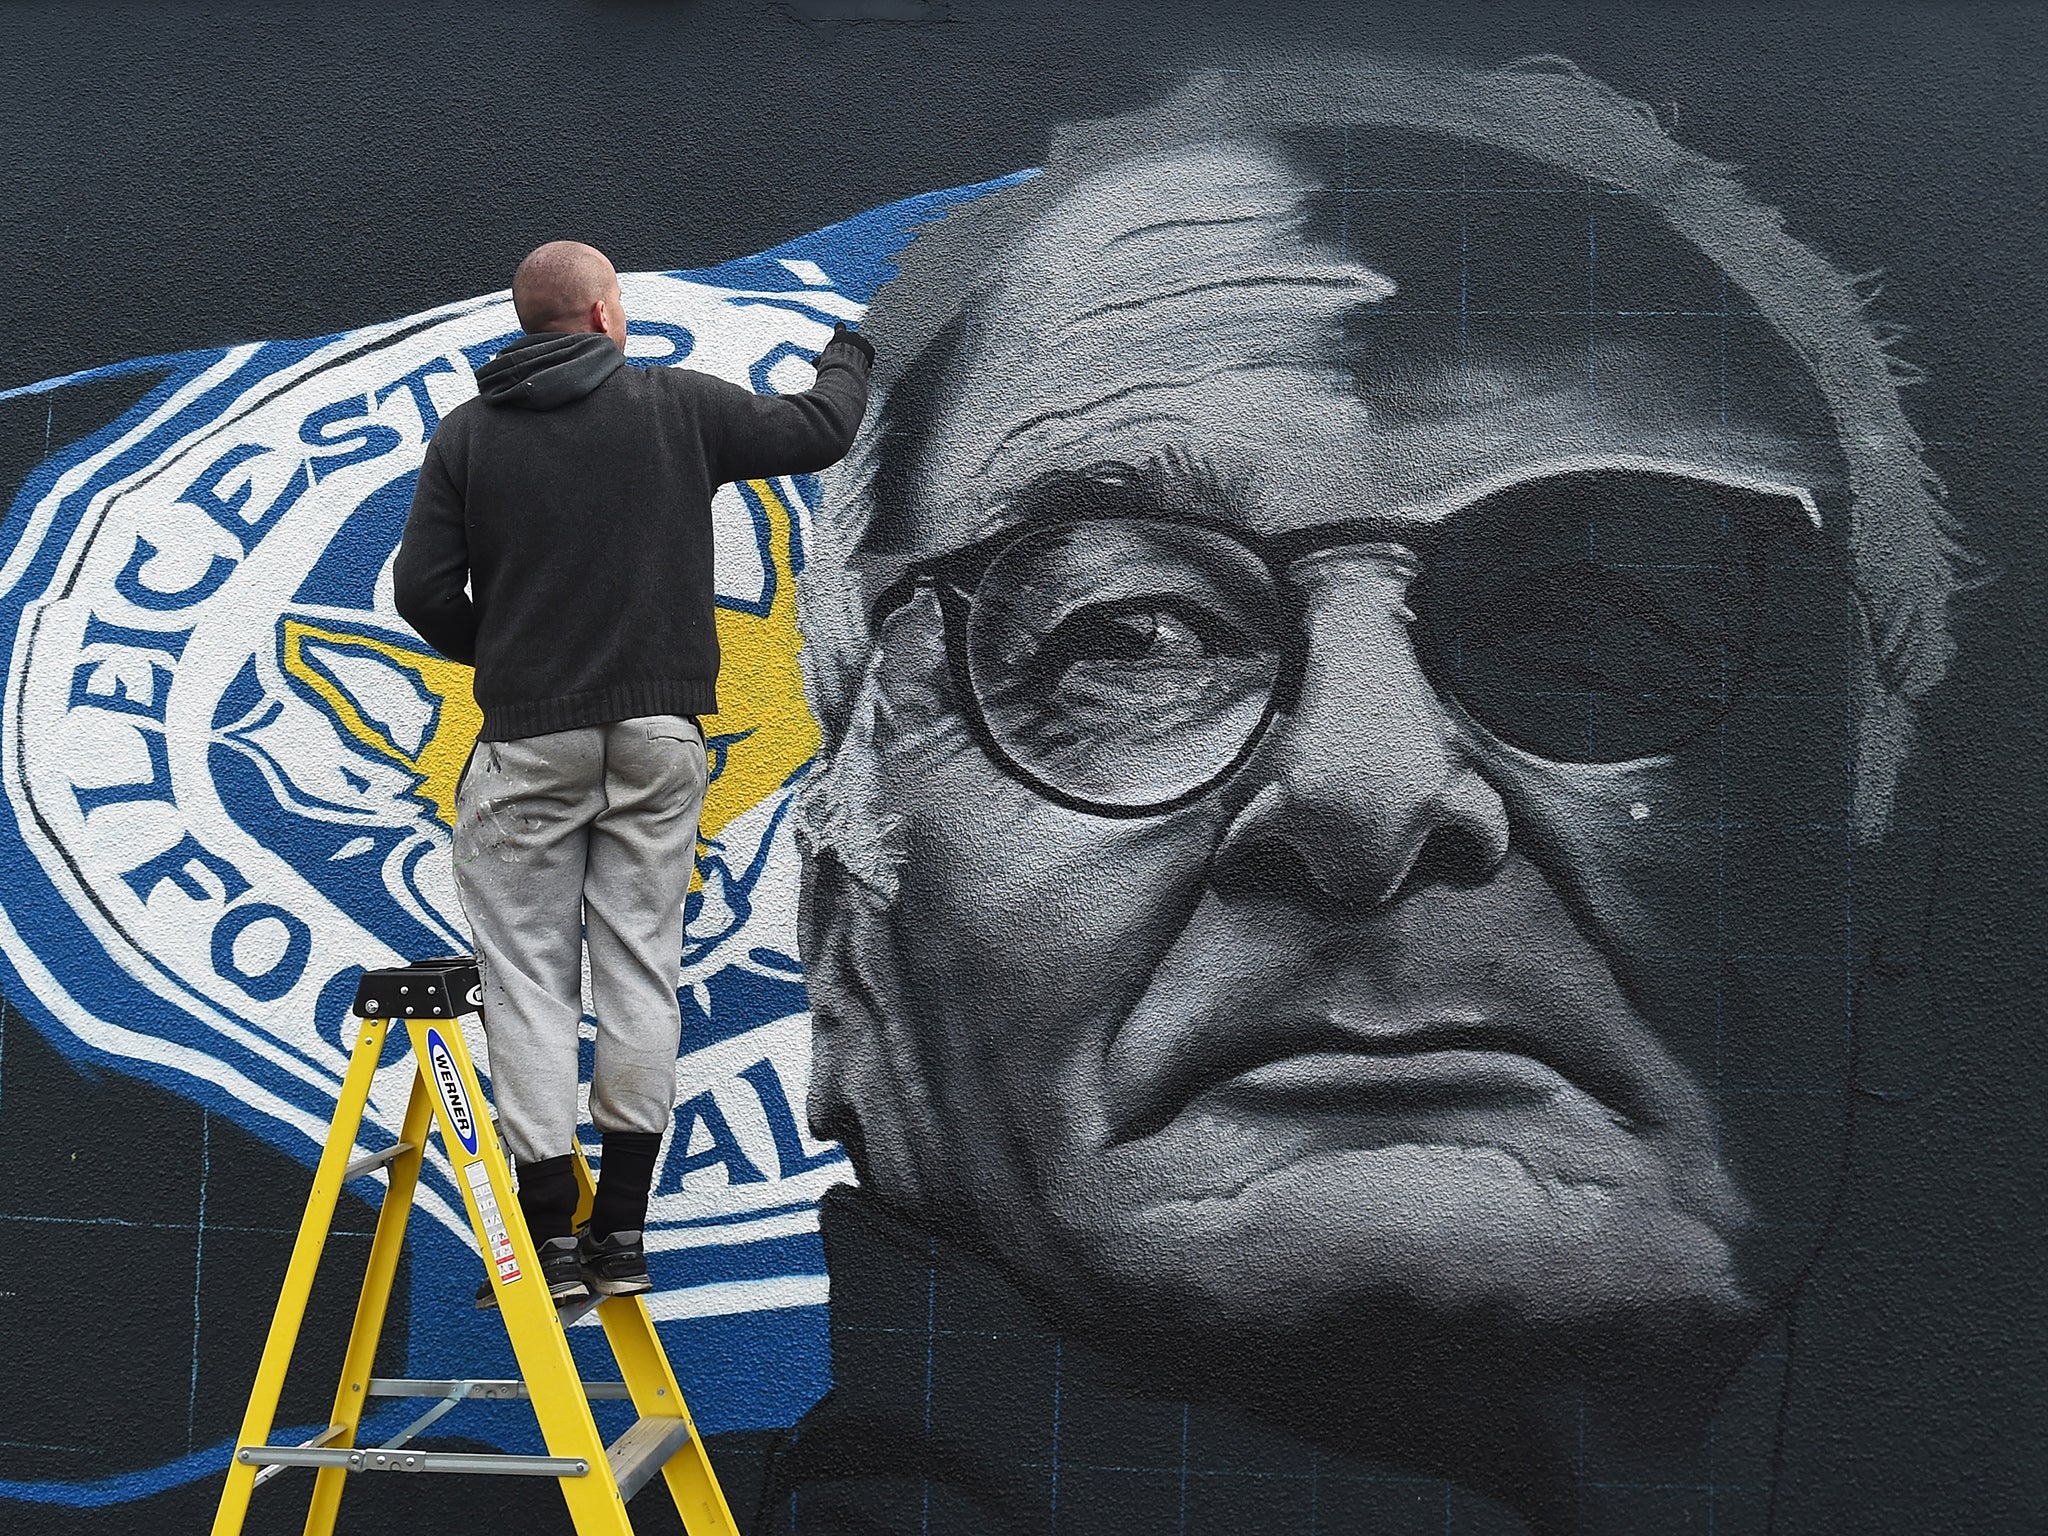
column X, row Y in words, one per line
column 1128, row 664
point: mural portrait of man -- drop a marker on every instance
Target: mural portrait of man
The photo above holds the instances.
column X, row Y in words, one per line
column 1381, row 612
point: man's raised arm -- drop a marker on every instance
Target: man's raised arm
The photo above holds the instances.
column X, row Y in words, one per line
column 755, row 437
column 430, row 579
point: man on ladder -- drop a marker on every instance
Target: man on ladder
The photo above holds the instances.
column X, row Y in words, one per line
column 560, row 541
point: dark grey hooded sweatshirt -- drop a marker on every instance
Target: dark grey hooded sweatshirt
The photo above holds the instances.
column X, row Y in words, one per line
column 573, row 498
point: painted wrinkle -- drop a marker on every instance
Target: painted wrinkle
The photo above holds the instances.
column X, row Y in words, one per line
column 1096, row 322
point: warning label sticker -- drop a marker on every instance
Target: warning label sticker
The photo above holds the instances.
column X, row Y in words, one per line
column 501, row 1255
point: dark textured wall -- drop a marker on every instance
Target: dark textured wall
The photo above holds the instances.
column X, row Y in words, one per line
column 191, row 177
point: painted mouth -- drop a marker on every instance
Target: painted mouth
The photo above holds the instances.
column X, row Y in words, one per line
column 1326, row 1067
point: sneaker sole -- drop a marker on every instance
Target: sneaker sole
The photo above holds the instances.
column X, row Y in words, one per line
column 638, row 1285
column 562, row 1296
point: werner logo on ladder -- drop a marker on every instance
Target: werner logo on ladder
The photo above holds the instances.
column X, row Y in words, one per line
column 596, row 1479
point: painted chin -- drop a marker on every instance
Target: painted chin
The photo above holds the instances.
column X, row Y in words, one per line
column 1325, row 1188
column 1474, row 1216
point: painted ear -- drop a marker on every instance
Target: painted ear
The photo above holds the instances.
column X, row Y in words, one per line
column 842, row 1030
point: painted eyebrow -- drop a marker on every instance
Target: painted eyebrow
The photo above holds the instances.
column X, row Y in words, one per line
column 1181, row 483
column 1173, row 484
column 1465, row 498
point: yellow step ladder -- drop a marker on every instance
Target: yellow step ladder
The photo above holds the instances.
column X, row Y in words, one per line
column 430, row 998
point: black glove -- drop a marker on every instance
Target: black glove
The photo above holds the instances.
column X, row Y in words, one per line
column 853, row 339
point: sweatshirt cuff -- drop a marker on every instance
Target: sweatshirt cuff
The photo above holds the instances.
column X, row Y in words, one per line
column 842, row 336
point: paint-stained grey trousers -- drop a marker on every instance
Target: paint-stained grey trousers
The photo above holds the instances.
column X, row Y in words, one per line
column 580, row 834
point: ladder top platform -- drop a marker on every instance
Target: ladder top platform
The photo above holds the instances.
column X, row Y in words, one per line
column 427, row 989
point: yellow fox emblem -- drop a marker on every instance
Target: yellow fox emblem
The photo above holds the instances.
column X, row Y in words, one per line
column 415, row 708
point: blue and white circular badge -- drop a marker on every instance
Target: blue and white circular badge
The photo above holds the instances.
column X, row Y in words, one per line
column 229, row 766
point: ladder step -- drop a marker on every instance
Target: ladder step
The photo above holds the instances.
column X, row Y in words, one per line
column 372, row 1161
column 500, row 1391
column 643, row 1450
column 413, row 1461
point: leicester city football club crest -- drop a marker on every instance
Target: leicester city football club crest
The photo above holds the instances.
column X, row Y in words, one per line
column 230, row 776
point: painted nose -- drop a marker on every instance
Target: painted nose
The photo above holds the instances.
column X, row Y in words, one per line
column 1363, row 786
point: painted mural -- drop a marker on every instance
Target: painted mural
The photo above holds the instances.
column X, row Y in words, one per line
column 1279, row 912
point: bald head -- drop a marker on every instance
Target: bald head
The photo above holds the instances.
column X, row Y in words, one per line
column 568, row 286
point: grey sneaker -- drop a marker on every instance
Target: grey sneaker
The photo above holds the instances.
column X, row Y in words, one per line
column 614, row 1265
column 558, row 1269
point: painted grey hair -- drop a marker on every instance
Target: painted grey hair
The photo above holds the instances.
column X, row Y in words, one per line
column 1907, row 565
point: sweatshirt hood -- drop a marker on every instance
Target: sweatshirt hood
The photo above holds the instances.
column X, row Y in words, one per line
column 544, row 369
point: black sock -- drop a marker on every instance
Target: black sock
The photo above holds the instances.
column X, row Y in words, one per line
column 623, row 1181
column 547, row 1197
